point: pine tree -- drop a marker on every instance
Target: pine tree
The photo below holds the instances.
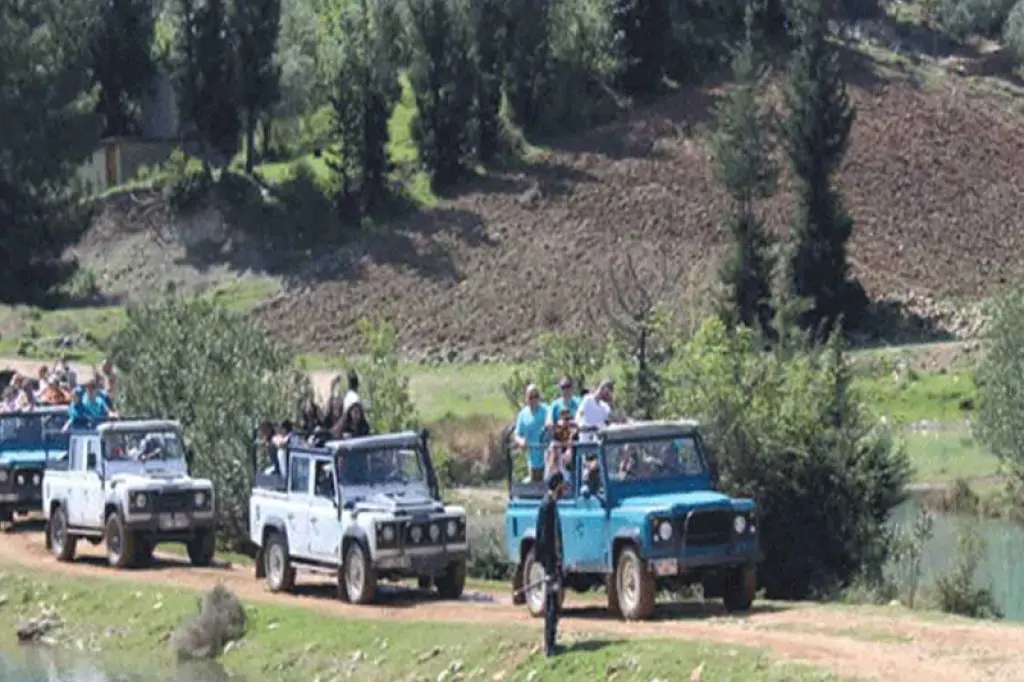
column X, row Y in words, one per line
column 442, row 77
column 529, row 59
column 122, row 61
column 815, row 135
column 364, row 97
column 490, row 25
column 745, row 168
column 643, row 28
column 257, row 24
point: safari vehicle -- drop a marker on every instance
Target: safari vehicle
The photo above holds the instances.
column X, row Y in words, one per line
column 28, row 442
column 360, row 510
column 127, row 483
column 641, row 514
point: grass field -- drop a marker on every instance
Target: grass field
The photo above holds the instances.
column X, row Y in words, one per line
column 128, row 626
column 946, row 455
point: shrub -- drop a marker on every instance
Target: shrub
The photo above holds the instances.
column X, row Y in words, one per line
column 217, row 372
column 561, row 355
column 980, row 17
column 487, row 557
column 789, row 431
column 220, row 619
column 957, row 591
column 1013, row 32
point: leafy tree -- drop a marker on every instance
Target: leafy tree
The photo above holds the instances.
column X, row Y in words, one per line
column 442, row 77
column 48, row 129
column 256, row 25
column 744, row 166
column 643, row 27
column 980, row 17
column 1000, row 379
column 366, row 92
column 576, row 357
column 122, row 61
column 490, row 25
column 788, row 430
column 815, row 136
column 529, row 59
column 1013, row 32
column 217, row 372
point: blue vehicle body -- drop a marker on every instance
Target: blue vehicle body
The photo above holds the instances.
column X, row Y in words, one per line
column 651, row 474
column 29, row 442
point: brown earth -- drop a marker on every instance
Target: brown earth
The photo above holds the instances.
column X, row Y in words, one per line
column 874, row 644
column 932, row 179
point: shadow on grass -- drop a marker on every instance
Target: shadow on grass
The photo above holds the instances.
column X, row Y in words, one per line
column 674, row 611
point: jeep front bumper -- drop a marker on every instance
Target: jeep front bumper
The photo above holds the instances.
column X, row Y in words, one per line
column 170, row 526
column 431, row 561
column 22, row 492
column 725, row 557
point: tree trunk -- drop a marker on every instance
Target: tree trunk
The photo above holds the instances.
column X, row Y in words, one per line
column 250, row 141
column 266, row 123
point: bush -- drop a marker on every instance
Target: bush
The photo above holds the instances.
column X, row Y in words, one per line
column 974, row 17
column 1013, row 32
column 957, row 591
column 789, row 431
column 1000, row 381
column 487, row 557
column 220, row 619
column 561, row 355
column 217, row 372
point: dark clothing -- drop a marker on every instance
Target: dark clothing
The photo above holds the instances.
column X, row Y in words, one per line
column 548, row 551
column 350, row 427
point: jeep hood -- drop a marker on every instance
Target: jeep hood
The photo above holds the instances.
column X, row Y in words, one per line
column 675, row 503
column 398, row 504
column 29, row 456
column 151, row 480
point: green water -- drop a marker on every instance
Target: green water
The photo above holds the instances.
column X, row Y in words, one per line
column 1002, row 567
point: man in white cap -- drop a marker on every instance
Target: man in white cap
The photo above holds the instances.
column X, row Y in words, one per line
column 594, row 411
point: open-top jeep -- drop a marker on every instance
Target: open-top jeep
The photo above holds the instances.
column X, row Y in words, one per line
column 359, row 510
column 127, row 482
column 641, row 513
column 28, row 442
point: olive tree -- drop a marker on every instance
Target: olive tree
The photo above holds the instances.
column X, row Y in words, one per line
column 219, row 374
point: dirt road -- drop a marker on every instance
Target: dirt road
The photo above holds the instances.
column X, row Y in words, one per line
column 875, row 644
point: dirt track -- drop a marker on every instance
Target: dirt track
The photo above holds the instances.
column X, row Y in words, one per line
column 864, row 643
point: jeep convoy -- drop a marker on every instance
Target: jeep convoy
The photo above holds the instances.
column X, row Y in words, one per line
column 359, row 510
column 127, row 483
column 642, row 513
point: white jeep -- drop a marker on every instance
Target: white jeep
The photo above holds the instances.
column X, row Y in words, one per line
column 358, row 510
column 127, row 482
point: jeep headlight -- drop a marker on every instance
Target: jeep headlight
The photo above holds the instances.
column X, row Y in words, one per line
column 3, row 476
column 200, row 499
column 739, row 524
column 416, row 534
column 665, row 531
column 435, row 532
column 21, row 479
column 36, row 479
column 387, row 534
column 138, row 501
column 452, row 528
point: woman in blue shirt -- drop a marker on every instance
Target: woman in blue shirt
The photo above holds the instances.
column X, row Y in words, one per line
column 567, row 401
column 531, row 432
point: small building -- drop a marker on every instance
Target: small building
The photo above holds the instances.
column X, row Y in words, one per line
column 118, row 159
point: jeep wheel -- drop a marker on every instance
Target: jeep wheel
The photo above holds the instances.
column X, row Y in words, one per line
column 360, row 578
column 453, row 582
column 533, row 575
column 740, row 587
column 61, row 543
column 201, row 548
column 634, row 586
column 424, row 582
column 120, row 543
column 611, row 588
column 143, row 552
column 277, row 565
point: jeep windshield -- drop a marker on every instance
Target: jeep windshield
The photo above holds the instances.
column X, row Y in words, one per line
column 142, row 446
column 33, row 431
column 382, row 467
column 654, row 460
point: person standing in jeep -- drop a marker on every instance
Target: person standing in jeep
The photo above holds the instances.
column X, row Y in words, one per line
column 594, row 411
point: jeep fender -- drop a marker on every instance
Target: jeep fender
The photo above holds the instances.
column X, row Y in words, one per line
column 354, row 533
column 273, row 524
column 625, row 536
column 54, row 504
column 525, row 543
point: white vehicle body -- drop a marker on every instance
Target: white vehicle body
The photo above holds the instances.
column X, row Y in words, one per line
column 364, row 528
column 130, row 498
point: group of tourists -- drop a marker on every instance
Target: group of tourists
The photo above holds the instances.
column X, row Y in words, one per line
column 546, row 432
column 89, row 402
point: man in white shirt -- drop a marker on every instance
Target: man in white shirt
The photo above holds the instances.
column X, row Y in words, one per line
column 594, row 411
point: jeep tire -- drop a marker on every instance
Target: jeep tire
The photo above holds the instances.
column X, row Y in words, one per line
column 62, row 543
column 202, row 547
column 739, row 589
column 453, row 581
column 120, row 542
column 360, row 578
column 532, row 573
column 424, row 582
column 634, row 586
column 143, row 551
column 277, row 564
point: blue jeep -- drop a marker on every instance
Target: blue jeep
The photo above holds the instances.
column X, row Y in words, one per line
column 641, row 514
column 28, row 442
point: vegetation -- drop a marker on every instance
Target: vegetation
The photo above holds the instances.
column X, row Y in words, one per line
column 292, row 643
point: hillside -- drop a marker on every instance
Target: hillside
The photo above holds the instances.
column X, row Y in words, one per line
column 932, row 180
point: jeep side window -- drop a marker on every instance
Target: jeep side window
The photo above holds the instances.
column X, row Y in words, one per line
column 324, row 479
column 77, row 455
column 92, row 453
column 298, row 474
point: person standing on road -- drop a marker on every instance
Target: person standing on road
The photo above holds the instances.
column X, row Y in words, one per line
column 531, row 432
column 549, row 555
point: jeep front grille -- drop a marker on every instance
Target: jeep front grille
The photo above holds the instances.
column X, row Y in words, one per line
column 27, row 478
column 708, row 528
column 172, row 502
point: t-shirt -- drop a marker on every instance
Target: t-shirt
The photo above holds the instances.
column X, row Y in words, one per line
column 592, row 412
column 558, row 405
column 530, row 427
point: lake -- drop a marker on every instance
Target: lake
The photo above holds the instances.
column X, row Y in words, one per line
column 1002, row 566
column 40, row 664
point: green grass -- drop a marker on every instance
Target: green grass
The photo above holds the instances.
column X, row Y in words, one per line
column 946, row 455
column 915, row 397
column 128, row 625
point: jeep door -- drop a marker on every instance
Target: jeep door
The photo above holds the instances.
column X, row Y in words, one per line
column 584, row 524
column 324, row 523
column 86, row 499
column 297, row 505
